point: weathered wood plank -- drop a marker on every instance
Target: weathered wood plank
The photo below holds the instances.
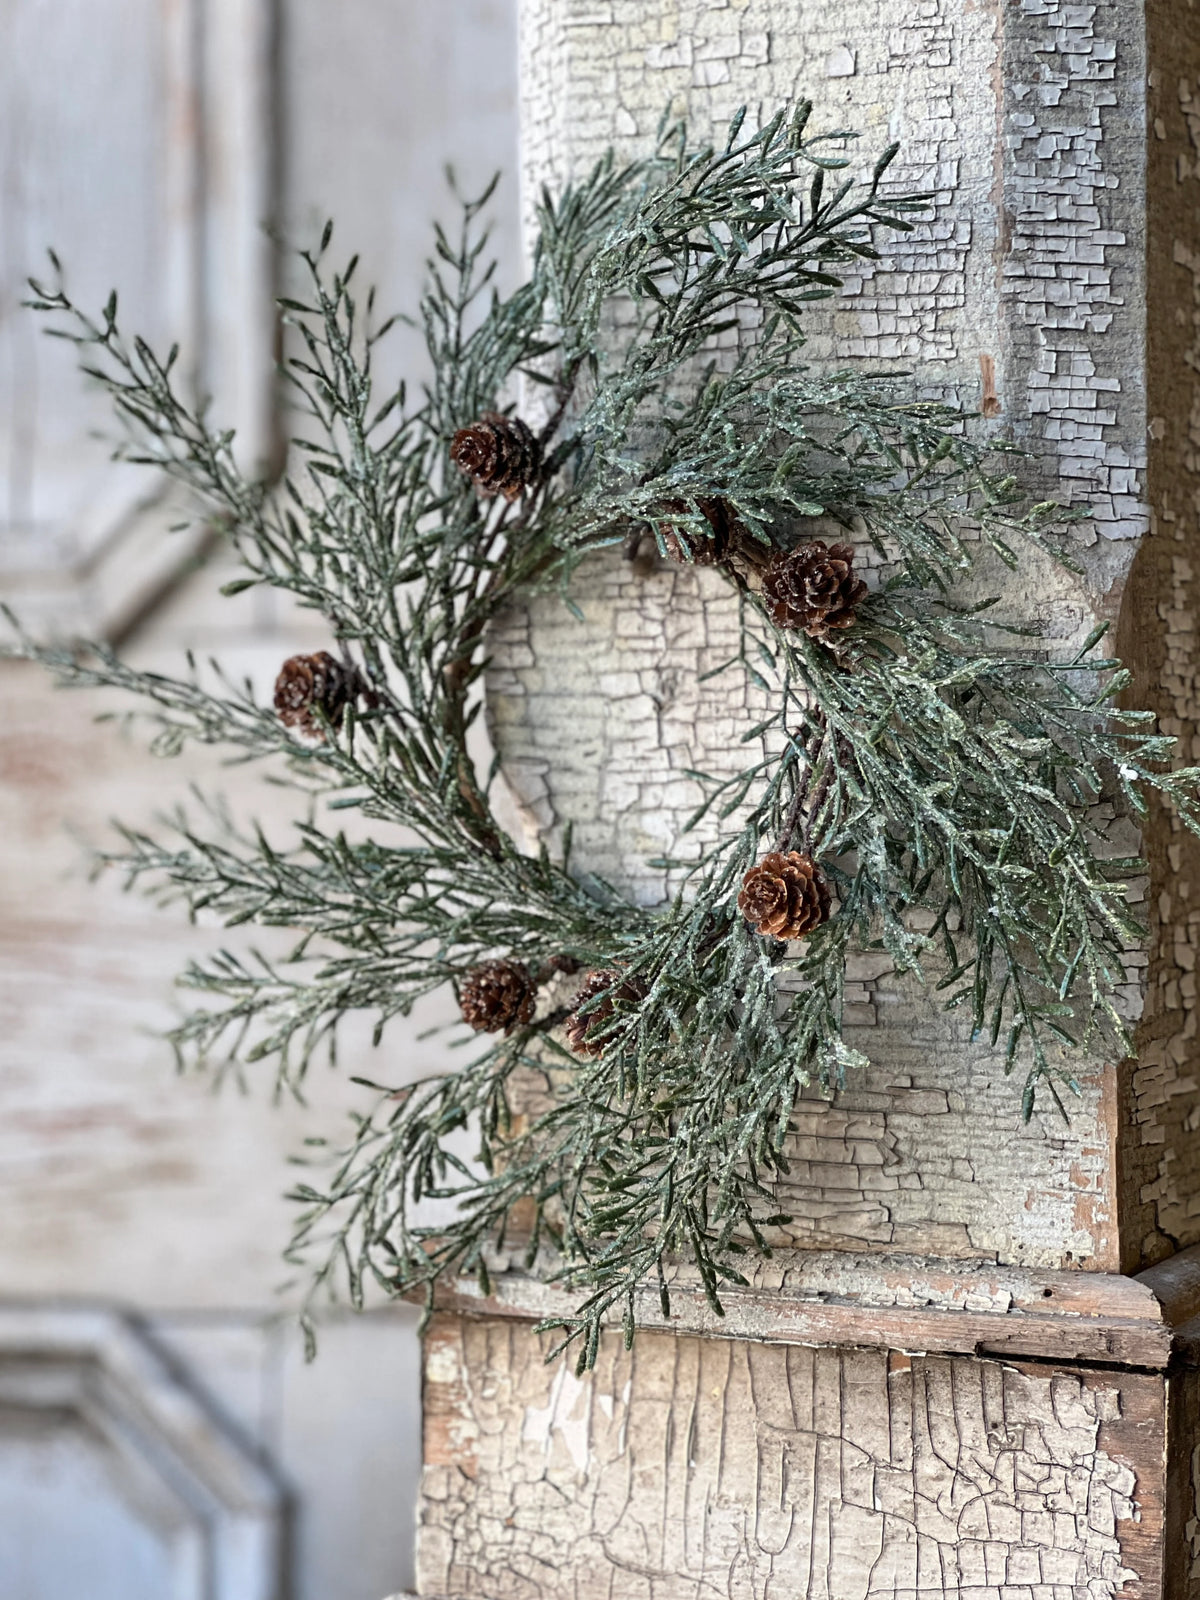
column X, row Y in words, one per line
column 910, row 1304
column 690, row 1467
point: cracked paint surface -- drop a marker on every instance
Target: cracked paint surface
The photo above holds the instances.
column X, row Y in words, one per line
column 1027, row 288
column 690, row 1468
column 600, row 721
column 595, row 75
column 1057, row 285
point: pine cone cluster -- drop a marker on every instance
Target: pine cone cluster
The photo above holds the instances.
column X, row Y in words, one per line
column 309, row 687
column 591, row 1034
column 499, row 454
column 785, row 897
column 685, row 544
column 498, row 995
column 813, row 589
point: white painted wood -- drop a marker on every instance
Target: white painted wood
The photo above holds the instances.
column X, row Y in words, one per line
column 81, row 177
column 237, row 256
column 161, row 1498
column 135, row 142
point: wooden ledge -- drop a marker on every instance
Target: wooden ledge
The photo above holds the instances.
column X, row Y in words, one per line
column 910, row 1303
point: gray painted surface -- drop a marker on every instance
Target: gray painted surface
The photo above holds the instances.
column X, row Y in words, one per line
column 119, row 1181
column 116, row 1474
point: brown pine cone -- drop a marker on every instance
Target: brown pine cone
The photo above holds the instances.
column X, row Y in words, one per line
column 814, row 588
column 684, row 544
column 309, row 685
column 497, row 995
column 499, row 454
column 591, row 1035
column 785, row 897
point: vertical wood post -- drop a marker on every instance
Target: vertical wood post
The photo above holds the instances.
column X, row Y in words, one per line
column 971, row 1369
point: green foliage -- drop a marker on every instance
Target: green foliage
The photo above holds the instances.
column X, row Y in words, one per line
column 931, row 764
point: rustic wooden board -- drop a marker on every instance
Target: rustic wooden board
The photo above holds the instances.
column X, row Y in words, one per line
column 979, row 1425
column 810, row 1297
column 692, row 1467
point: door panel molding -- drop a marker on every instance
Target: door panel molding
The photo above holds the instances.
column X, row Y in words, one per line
column 137, row 140
column 92, row 1379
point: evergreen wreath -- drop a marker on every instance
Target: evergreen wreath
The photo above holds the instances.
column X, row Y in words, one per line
column 918, row 756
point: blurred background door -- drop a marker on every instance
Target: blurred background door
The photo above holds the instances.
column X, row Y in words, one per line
column 136, row 140
column 174, row 149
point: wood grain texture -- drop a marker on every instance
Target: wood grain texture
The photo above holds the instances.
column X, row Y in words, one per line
column 692, row 1468
column 811, row 1297
column 1158, row 635
column 908, row 1427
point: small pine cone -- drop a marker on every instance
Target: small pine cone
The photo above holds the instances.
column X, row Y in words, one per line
column 499, row 454
column 785, row 897
column 684, row 544
column 814, row 589
column 308, row 685
column 498, row 995
column 591, row 1035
